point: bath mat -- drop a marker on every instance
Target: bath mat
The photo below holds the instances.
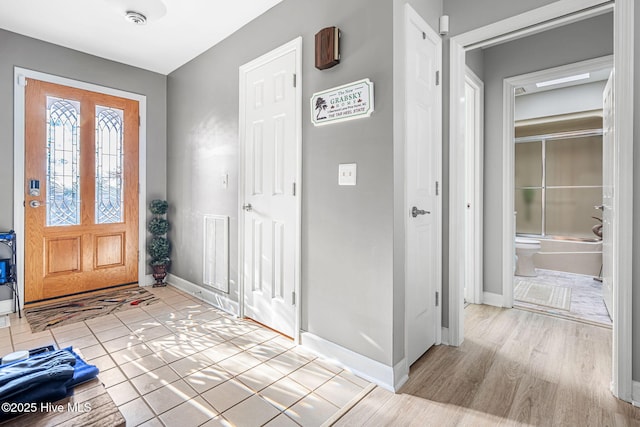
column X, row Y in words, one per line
column 85, row 308
column 541, row 294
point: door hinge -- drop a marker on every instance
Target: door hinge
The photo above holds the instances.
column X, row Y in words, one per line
column 437, row 299
column 438, row 78
column 295, row 80
column 293, row 298
column 294, row 188
column 138, row 188
column 437, row 188
column 138, row 256
column 139, row 121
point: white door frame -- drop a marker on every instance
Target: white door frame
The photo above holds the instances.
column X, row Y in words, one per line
column 293, row 46
column 20, row 74
column 553, row 15
column 474, row 276
column 508, row 151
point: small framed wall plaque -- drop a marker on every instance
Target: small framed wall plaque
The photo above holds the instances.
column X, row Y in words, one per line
column 347, row 102
column 327, row 48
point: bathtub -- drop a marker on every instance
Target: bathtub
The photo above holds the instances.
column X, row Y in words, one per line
column 581, row 256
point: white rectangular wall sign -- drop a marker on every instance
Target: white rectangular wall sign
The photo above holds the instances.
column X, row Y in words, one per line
column 346, row 102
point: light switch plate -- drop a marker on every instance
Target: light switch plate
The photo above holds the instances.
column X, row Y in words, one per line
column 347, row 174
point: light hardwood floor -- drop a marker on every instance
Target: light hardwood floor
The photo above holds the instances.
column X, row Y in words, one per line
column 514, row 368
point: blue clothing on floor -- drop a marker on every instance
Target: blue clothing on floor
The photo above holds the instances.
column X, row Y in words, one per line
column 45, row 377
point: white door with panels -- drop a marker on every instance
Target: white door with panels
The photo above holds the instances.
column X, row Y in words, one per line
column 269, row 194
column 474, row 104
column 423, row 97
column 608, row 174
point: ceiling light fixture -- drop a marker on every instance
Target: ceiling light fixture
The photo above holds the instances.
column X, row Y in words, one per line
column 564, row 80
column 135, row 17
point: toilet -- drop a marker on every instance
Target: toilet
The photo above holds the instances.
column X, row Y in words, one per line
column 525, row 250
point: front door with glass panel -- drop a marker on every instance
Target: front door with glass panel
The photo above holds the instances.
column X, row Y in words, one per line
column 81, row 191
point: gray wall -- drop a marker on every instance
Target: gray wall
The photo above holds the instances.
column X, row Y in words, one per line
column 580, row 41
column 25, row 52
column 347, row 232
column 475, row 60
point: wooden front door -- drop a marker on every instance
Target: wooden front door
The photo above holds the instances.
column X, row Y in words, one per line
column 81, row 191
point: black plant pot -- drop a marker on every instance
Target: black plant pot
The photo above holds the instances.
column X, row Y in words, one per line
column 159, row 273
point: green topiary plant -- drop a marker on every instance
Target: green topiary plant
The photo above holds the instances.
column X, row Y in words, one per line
column 159, row 246
column 159, row 250
column 159, row 207
column 158, row 226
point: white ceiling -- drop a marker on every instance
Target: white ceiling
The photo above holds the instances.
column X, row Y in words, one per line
column 176, row 30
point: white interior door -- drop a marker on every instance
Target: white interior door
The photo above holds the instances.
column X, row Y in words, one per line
column 474, row 117
column 270, row 211
column 423, row 171
column 608, row 174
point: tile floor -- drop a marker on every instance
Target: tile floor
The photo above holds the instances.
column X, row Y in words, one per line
column 586, row 296
column 182, row 362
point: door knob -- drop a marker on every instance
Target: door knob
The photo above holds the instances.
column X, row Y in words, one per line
column 247, row 207
column 601, row 207
column 35, row 203
column 415, row 212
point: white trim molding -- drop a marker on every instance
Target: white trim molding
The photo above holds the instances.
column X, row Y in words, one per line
column 444, row 336
column 623, row 105
column 6, row 306
column 495, row 300
column 148, row 280
column 388, row 377
column 553, row 15
column 210, row 295
column 20, row 76
column 636, row 394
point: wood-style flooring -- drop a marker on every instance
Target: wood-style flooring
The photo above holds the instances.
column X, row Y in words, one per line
column 514, row 368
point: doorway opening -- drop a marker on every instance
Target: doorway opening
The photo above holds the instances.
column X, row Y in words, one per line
column 558, row 194
column 555, row 15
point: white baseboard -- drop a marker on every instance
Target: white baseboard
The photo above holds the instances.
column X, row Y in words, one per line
column 635, row 395
column 490, row 298
column 220, row 301
column 387, row 377
column 148, row 280
column 445, row 336
column 6, row 306
column 400, row 374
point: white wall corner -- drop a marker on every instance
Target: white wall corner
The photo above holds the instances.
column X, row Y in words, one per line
column 214, row 298
column 362, row 366
column 636, row 394
column 445, row 336
column 489, row 298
